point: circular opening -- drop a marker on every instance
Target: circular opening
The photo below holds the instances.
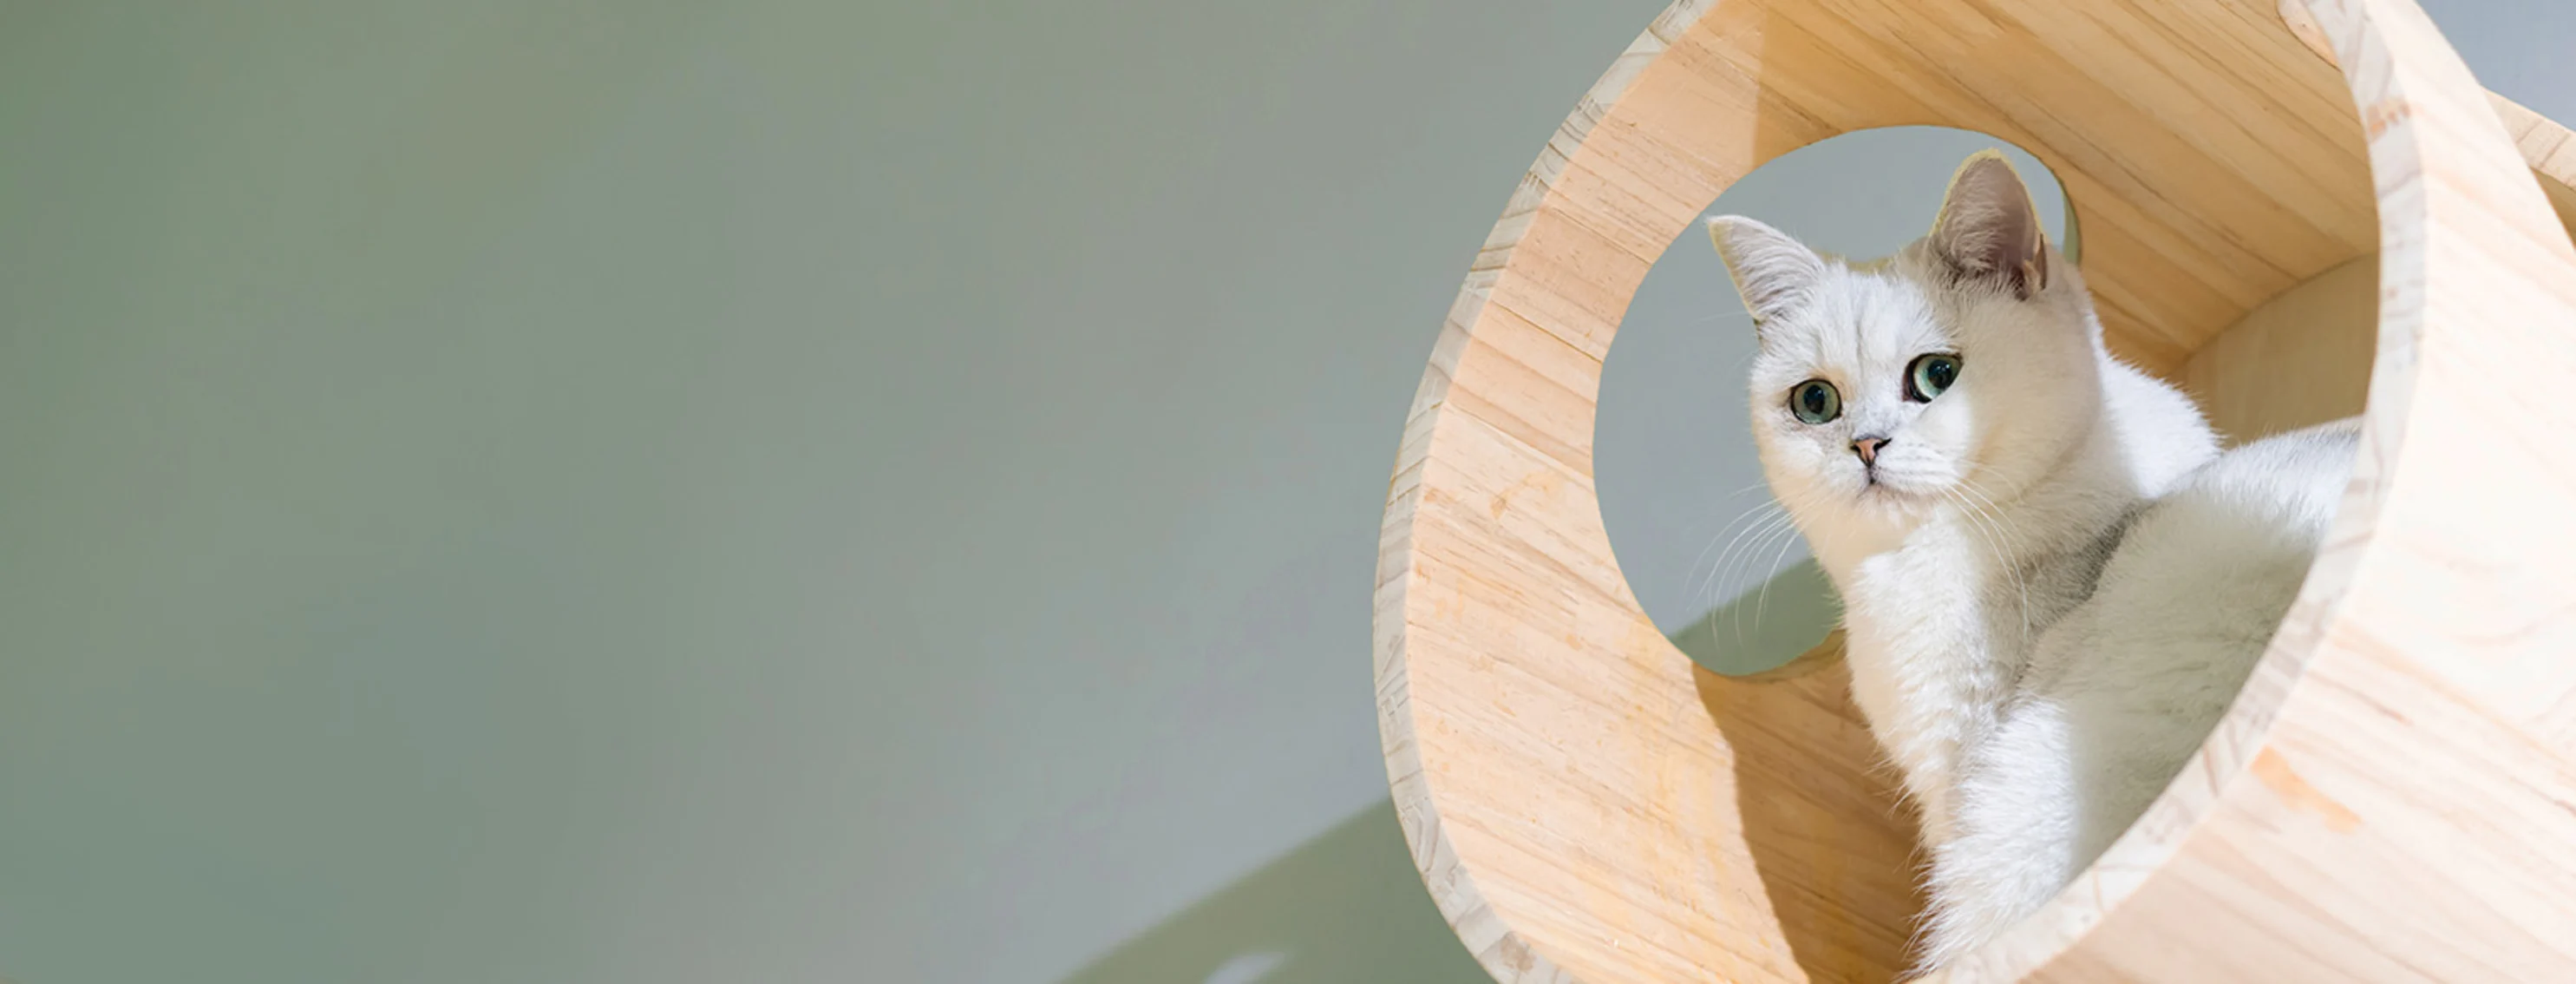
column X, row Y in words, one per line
column 1703, row 546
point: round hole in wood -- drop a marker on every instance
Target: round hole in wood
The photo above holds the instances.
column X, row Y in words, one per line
column 1683, row 502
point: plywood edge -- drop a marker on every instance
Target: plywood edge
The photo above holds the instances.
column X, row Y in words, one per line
column 2550, row 148
column 1500, row 950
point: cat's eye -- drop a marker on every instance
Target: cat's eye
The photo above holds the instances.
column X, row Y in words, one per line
column 1815, row 401
column 1929, row 376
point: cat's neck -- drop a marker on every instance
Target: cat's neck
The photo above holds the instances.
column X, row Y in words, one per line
column 1939, row 614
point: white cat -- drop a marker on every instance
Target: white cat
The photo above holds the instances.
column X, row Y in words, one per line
column 2121, row 692
column 2053, row 585
column 1947, row 431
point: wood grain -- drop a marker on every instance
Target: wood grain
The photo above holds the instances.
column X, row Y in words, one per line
column 2302, row 358
column 2389, row 798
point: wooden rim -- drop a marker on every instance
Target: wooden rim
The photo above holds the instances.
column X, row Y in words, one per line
column 1501, row 951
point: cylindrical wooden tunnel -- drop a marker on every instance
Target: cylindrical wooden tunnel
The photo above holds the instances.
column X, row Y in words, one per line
column 2289, row 212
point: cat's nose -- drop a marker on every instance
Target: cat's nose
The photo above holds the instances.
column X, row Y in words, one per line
column 1867, row 448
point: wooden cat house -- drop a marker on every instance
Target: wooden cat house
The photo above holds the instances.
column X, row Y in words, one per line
column 2297, row 213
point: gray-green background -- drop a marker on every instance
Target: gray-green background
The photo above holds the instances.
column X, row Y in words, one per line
column 568, row 490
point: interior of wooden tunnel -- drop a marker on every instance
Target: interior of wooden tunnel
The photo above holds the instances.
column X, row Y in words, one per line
column 2303, row 357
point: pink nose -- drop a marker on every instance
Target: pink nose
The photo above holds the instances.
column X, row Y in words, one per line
column 1867, row 448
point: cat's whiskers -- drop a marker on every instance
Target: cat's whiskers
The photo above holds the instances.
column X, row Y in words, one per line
column 1740, row 553
column 1782, row 527
column 1985, row 529
column 1784, row 535
column 1759, row 515
column 1763, row 601
column 1781, row 524
column 2020, row 548
column 1690, row 575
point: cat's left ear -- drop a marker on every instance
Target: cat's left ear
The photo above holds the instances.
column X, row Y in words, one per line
column 1989, row 228
column 1774, row 272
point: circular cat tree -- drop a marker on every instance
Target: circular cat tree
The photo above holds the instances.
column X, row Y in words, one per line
column 2394, row 795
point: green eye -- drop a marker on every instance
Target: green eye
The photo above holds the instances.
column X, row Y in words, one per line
column 1929, row 375
column 1815, row 401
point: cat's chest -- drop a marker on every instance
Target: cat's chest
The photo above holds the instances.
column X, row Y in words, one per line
column 1926, row 659
column 1925, row 626
column 1924, row 596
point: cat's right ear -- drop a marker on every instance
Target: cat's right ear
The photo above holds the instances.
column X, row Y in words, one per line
column 1774, row 272
column 1989, row 228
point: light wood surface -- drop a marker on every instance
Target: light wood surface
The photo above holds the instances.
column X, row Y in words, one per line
column 2328, row 328
column 2390, row 800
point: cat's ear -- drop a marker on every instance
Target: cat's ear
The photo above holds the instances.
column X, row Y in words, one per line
column 1989, row 228
column 1774, row 272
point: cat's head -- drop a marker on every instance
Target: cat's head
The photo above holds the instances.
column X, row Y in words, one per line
column 1959, row 370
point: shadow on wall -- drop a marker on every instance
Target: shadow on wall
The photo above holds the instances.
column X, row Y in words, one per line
column 1347, row 906
column 1765, row 627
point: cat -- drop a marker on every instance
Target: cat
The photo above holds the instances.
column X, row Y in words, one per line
column 2120, row 693
column 2053, row 582
column 1947, row 431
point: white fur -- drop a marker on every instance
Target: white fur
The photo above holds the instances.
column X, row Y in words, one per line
column 2053, row 585
column 2122, row 691
column 1986, row 516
